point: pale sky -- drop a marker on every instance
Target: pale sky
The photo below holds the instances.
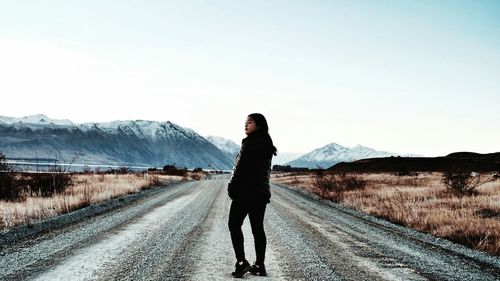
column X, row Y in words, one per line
column 417, row 77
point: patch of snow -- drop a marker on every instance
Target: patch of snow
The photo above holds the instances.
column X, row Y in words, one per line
column 223, row 144
column 38, row 119
column 144, row 128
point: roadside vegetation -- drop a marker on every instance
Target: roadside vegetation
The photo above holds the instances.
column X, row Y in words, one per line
column 26, row 197
column 460, row 206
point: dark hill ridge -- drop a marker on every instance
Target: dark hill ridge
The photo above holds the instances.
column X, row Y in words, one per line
column 458, row 160
column 472, row 155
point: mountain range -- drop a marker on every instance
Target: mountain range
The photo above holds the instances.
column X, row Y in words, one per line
column 133, row 142
column 145, row 143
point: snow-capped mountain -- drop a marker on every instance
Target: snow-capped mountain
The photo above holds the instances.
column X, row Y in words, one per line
column 226, row 145
column 128, row 143
column 36, row 119
column 334, row 153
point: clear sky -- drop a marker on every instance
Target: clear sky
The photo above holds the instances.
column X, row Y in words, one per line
column 418, row 77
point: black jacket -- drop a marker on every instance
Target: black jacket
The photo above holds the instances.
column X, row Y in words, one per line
column 251, row 170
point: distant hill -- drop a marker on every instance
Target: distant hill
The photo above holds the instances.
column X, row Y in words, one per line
column 127, row 143
column 333, row 153
column 459, row 160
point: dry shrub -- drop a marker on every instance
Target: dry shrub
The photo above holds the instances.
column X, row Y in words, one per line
column 87, row 194
column 462, row 182
column 46, row 184
column 174, row 171
column 333, row 186
column 196, row 176
column 155, row 180
column 185, row 175
column 10, row 188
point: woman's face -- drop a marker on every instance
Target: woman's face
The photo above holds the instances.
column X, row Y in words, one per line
column 250, row 126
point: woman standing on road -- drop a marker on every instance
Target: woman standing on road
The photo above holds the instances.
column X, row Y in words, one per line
column 249, row 190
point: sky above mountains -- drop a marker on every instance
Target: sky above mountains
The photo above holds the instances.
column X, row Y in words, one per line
column 405, row 76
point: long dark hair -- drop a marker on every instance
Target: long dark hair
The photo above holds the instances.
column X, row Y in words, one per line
column 263, row 129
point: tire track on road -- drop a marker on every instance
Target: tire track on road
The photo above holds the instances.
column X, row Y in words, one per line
column 211, row 249
column 150, row 258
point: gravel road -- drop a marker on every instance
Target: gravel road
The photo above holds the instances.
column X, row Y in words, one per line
column 180, row 232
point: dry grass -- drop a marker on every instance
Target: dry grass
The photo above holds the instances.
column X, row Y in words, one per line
column 87, row 189
column 423, row 203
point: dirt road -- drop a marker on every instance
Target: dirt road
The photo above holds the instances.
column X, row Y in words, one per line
column 180, row 232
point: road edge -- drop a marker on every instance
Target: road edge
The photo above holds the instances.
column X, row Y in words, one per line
column 29, row 230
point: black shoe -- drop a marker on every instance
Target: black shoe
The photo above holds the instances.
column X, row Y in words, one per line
column 259, row 270
column 241, row 269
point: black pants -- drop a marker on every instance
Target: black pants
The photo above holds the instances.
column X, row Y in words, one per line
column 238, row 212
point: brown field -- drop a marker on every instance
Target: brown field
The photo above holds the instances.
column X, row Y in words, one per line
column 423, row 203
column 87, row 189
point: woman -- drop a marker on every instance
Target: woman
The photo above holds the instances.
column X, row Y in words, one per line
column 249, row 191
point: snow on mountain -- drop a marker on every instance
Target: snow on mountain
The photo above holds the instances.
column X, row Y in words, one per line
column 334, row 153
column 38, row 119
column 228, row 146
column 143, row 128
column 139, row 142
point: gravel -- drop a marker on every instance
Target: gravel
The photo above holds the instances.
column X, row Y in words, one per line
column 180, row 232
